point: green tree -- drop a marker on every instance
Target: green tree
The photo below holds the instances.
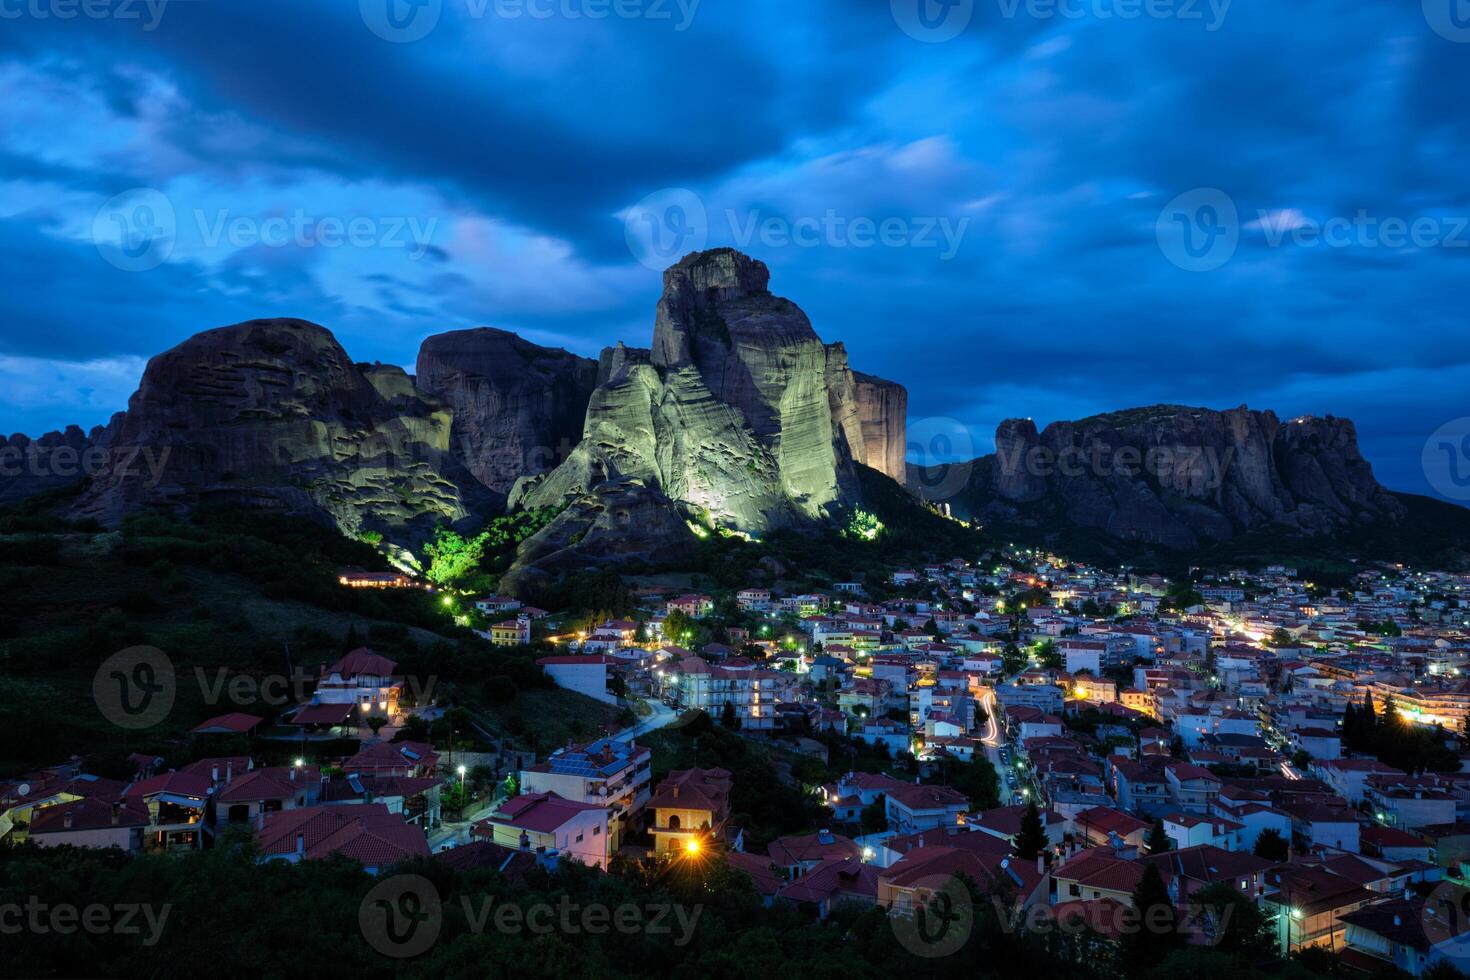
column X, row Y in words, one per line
column 1271, row 845
column 678, row 627
column 875, row 816
column 1157, row 840
column 453, row 557
column 376, row 722
column 1235, row 923
column 728, row 717
column 1159, row 934
column 1031, row 839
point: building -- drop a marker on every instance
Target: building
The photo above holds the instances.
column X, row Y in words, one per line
column 605, row 772
column 587, row 674
column 365, row 832
column 694, row 606
column 915, row 807
column 550, row 825
column 693, row 683
column 511, row 632
column 691, row 809
column 1309, row 904
column 364, row 680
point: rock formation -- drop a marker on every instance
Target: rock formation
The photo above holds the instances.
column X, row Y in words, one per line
column 57, row 459
column 518, row 408
column 738, row 413
column 1180, row 477
column 274, row 414
column 883, row 411
column 620, row 521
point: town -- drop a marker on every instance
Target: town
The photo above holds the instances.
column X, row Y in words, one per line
column 1093, row 743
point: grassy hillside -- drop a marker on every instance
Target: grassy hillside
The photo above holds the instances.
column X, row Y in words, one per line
column 226, row 596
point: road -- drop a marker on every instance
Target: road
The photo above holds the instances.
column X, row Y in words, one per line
column 662, row 717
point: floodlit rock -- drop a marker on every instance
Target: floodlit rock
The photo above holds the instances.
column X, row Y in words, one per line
column 620, row 521
column 738, row 412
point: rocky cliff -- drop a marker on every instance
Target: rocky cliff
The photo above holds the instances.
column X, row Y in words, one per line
column 57, row 459
column 518, row 408
column 274, row 414
column 619, row 521
column 738, row 412
column 1179, row 477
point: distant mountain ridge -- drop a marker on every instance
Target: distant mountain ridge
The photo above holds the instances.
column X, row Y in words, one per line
column 1178, row 478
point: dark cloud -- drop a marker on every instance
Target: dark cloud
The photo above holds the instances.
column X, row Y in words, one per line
column 1058, row 140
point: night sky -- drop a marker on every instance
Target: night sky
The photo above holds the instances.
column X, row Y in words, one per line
column 1013, row 207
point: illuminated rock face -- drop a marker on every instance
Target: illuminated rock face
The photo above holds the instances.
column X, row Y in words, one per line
column 1181, row 477
column 518, row 408
column 619, row 521
column 738, row 412
column 274, row 414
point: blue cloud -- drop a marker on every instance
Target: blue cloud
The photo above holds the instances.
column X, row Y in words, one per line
column 1021, row 169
